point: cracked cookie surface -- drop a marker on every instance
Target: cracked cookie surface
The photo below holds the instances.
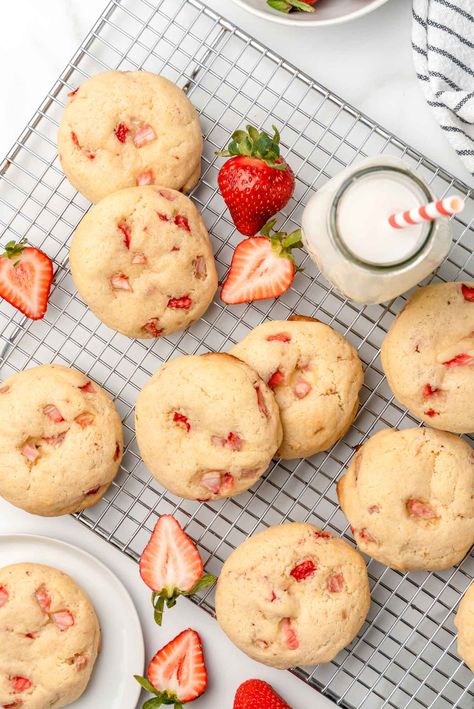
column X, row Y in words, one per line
column 49, row 637
column 464, row 623
column 316, row 376
column 207, row 426
column 142, row 261
column 292, row 595
column 126, row 128
column 61, row 440
column 409, row 497
column 428, row 356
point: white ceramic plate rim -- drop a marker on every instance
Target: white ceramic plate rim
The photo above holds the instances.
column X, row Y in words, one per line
column 128, row 617
column 287, row 20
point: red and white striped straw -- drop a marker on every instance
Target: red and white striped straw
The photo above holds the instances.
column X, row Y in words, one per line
column 427, row 212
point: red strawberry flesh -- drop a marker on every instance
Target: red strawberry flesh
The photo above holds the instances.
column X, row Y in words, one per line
column 121, row 131
column 257, row 694
column 468, row 293
column 178, row 670
column 4, row 596
column 25, row 279
column 304, row 570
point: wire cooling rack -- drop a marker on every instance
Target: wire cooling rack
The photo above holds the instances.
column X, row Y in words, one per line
column 405, row 655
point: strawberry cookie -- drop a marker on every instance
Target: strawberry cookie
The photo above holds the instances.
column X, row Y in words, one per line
column 292, row 595
column 464, row 623
column 60, row 440
column 428, row 356
column 207, row 426
column 316, row 376
column 49, row 638
column 124, row 128
column 408, row 497
column 142, row 261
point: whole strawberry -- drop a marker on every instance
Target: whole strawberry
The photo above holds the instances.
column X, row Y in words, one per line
column 256, row 182
column 257, row 694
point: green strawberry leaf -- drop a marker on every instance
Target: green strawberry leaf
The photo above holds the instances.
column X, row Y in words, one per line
column 253, row 143
column 14, row 249
column 153, row 703
column 290, row 5
column 280, row 5
column 300, row 5
column 158, row 602
column 146, row 684
column 206, row 581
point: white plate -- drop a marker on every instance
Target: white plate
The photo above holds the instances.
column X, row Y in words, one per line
column 122, row 651
column 327, row 12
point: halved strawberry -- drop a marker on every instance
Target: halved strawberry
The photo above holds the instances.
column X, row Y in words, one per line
column 262, row 266
column 26, row 275
column 171, row 566
column 177, row 673
column 256, row 182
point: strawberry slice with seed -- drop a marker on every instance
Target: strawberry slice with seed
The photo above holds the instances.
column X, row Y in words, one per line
column 277, row 379
column 182, row 222
column 289, row 635
column 304, row 570
column 182, row 419
column 468, row 293
column 171, row 565
column 420, row 510
column 335, row 583
column 121, row 130
column 53, row 413
column 63, row 619
column 144, row 135
column 212, row 481
column 145, row 178
column 120, row 282
column 26, row 275
column 20, row 684
column 279, row 337
column 4, row 596
column 43, row 598
column 30, row 452
column 177, row 673
column 183, row 303
column 234, row 442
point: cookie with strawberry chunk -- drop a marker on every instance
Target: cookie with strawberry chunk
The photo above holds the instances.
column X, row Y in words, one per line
column 125, row 128
column 428, row 356
column 292, row 595
column 207, row 426
column 61, row 440
column 49, row 637
column 464, row 623
column 316, row 376
column 142, row 260
column 408, row 497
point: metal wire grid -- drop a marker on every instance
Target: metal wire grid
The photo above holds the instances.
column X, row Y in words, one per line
column 405, row 654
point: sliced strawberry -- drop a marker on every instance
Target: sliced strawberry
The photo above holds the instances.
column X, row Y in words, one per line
column 121, row 131
column 4, row 596
column 212, row 481
column 289, row 635
column 30, row 452
column 84, row 420
column 468, row 293
column 200, row 267
column 53, row 413
column 182, row 222
column 177, row 673
column 171, row 565
column 261, row 401
column 262, row 267
column 120, row 282
column 335, row 583
column 182, row 419
column 304, row 570
column 183, row 303
column 145, row 178
column 43, row 598
column 127, row 233
column 234, row 442
column 461, row 360
column 151, row 327
column 277, row 379
column 302, row 388
column 257, row 694
column 26, row 275
column 63, row 619
column 256, row 182
column 420, row 510
column 88, row 388
column 167, row 194
column 144, row 135
column 279, row 337
column 20, row 684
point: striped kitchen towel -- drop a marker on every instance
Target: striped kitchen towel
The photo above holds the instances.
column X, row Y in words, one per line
column 443, row 50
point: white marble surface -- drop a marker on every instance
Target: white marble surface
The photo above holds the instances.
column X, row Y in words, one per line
column 367, row 62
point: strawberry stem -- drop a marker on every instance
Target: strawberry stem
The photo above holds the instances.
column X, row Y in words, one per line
column 170, row 595
column 255, row 144
column 14, row 249
column 282, row 243
column 160, row 698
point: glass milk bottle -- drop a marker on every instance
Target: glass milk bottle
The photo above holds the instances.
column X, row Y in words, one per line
column 346, row 231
